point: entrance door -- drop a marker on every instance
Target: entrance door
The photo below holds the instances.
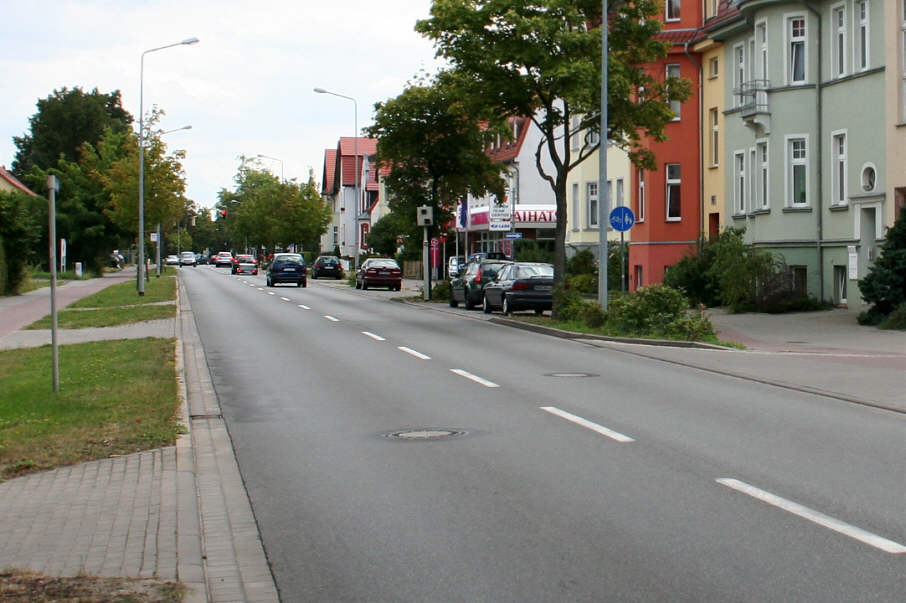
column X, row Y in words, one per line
column 840, row 278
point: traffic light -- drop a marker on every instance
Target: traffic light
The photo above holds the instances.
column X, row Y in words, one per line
column 223, row 213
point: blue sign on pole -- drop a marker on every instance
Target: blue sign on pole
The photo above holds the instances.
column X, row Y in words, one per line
column 622, row 218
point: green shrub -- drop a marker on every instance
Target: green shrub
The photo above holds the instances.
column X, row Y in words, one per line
column 648, row 311
column 884, row 287
column 440, row 290
column 582, row 263
column 568, row 304
column 593, row 315
column 584, row 283
column 691, row 276
column 3, row 269
column 528, row 250
column 896, row 320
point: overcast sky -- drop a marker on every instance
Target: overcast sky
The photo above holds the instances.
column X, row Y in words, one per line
column 245, row 88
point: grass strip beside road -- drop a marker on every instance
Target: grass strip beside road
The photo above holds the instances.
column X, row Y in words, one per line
column 18, row 585
column 124, row 294
column 107, row 317
column 115, row 398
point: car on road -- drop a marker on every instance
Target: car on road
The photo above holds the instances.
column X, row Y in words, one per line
column 223, row 258
column 245, row 264
column 187, row 258
column 454, row 265
column 379, row 272
column 521, row 286
column 468, row 287
column 327, row 265
column 171, row 260
column 287, row 268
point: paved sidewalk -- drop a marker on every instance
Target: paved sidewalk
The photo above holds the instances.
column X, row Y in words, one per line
column 175, row 513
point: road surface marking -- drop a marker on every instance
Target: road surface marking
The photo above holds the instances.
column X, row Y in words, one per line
column 304, row 307
column 412, row 352
column 271, row 293
column 331, row 318
column 614, row 435
column 474, row 378
column 260, row 288
column 285, row 298
column 373, row 336
column 821, row 519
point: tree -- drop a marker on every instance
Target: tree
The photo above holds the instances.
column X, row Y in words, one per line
column 65, row 120
column 433, row 142
column 386, row 233
column 541, row 59
column 884, row 287
column 20, row 232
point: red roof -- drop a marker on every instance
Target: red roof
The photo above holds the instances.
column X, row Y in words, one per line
column 14, row 182
column 330, row 166
column 725, row 12
column 678, row 36
column 509, row 150
column 347, row 148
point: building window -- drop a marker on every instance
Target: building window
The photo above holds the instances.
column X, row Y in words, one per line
column 674, row 196
column 761, row 34
column 673, row 10
column 575, row 205
column 862, row 50
column 715, row 137
column 641, row 208
column 574, row 133
column 797, row 161
column 838, row 154
column 869, row 178
column 591, row 195
column 739, row 182
column 838, row 27
column 797, row 57
column 713, row 70
column 761, row 151
column 673, row 72
column 739, row 72
column 619, row 198
column 713, row 4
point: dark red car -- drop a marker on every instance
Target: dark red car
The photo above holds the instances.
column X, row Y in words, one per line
column 379, row 272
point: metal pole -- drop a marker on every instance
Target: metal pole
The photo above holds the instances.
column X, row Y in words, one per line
column 622, row 264
column 53, row 186
column 158, row 249
column 140, row 264
column 425, row 264
column 604, row 203
column 355, row 163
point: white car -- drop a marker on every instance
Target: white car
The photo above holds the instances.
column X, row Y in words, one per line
column 171, row 260
column 188, row 258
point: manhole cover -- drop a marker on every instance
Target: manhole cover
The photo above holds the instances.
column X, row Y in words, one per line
column 570, row 375
column 425, row 433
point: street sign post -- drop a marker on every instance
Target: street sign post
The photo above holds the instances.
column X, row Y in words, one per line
column 513, row 235
column 622, row 219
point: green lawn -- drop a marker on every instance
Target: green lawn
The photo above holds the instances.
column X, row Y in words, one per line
column 106, row 317
column 116, row 397
column 122, row 294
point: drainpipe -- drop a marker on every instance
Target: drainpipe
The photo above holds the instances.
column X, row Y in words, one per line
column 701, row 157
column 820, row 157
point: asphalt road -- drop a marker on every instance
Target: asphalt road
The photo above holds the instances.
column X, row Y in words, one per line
column 572, row 473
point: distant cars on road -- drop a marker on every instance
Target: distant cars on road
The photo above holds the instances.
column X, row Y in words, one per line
column 245, row 264
column 521, row 286
column 171, row 260
column 187, row 258
column 287, row 268
column 379, row 272
column 327, row 265
column 468, row 287
column 223, row 258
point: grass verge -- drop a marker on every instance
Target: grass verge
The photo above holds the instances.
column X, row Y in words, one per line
column 107, row 317
column 116, row 397
column 18, row 585
column 124, row 294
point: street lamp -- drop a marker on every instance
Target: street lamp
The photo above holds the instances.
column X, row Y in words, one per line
column 141, row 162
column 259, row 155
column 355, row 163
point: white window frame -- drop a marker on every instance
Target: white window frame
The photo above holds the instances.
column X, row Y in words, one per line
column 790, row 163
column 574, row 133
column 790, row 41
column 673, row 70
column 739, row 183
column 576, row 201
column 839, row 163
column 862, row 35
column 753, row 181
column 739, row 72
column 761, row 45
column 670, row 185
column 713, row 67
column 714, row 120
column 714, row 7
column 839, row 36
column 620, row 201
column 763, row 173
column 641, row 203
column 672, row 10
column 591, row 204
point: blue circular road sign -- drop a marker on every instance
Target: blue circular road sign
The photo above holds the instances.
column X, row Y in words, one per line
column 622, row 218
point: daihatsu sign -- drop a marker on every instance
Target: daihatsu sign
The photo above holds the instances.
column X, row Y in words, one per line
column 541, row 216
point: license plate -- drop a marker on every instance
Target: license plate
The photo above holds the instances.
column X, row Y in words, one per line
column 384, row 272
column 289, row 270
column 543, row 287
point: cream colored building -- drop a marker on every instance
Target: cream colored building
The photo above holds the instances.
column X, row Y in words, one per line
column 712, row 119
column 895, row 118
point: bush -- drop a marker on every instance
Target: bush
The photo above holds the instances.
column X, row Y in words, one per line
column 568, row 304
column 896, row 319
column 884, row 287
column 528, row 250
column 647, row 311
column 593, row 315
column 440, row 290
column 2, row 269
column 582, row 263
column 691, row 276
column 584, row 283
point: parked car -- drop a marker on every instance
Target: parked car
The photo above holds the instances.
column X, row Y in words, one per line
column 171, row 260
column 245, row 264
column 379, row 272
column 200, row 259
column 223, row 258
column 287, row 268
column 467, row 288
column 327, row 265
column 454, row 264
column 521, row 286
column 187, row 258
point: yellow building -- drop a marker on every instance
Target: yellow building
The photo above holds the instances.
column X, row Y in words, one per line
column 712, row 119
column 895, row 120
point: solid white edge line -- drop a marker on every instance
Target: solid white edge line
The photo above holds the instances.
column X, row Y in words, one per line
column 304, row 307
column 285, row 298
column 331, row 318
column 888, row 546
column 373, row 336
column 614, row 435
column 412, row 352
column 474, row 378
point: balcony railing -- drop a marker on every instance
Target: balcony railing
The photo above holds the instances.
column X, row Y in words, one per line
column 752, row 97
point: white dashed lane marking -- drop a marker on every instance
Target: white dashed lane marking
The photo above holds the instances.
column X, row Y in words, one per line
column 373, row 336
column 412, row 352
column 304, row 307
column 614, row 435
column 474, row 378
column 331, row 318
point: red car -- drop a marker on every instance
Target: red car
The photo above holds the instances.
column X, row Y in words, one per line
column 379, row 272
column 245, row 264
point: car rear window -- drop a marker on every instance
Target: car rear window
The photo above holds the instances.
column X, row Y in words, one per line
column 538, row 270
column 383, row 264
column 288, row 259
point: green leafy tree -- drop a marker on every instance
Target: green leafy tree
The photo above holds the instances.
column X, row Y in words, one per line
column 387, row 232
column 66, row 120
column 738, row 269
column 20, row 233
column 542, row 59
column 433, row 142
column 884, row 287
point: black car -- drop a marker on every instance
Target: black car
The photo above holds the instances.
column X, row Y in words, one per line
column 287, row 268
column 521, row 286
column 327, row 265
column 467, row 287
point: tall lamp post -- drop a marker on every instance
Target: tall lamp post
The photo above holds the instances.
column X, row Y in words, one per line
column 141, row 162
column 355, row 163
column 260, row 156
